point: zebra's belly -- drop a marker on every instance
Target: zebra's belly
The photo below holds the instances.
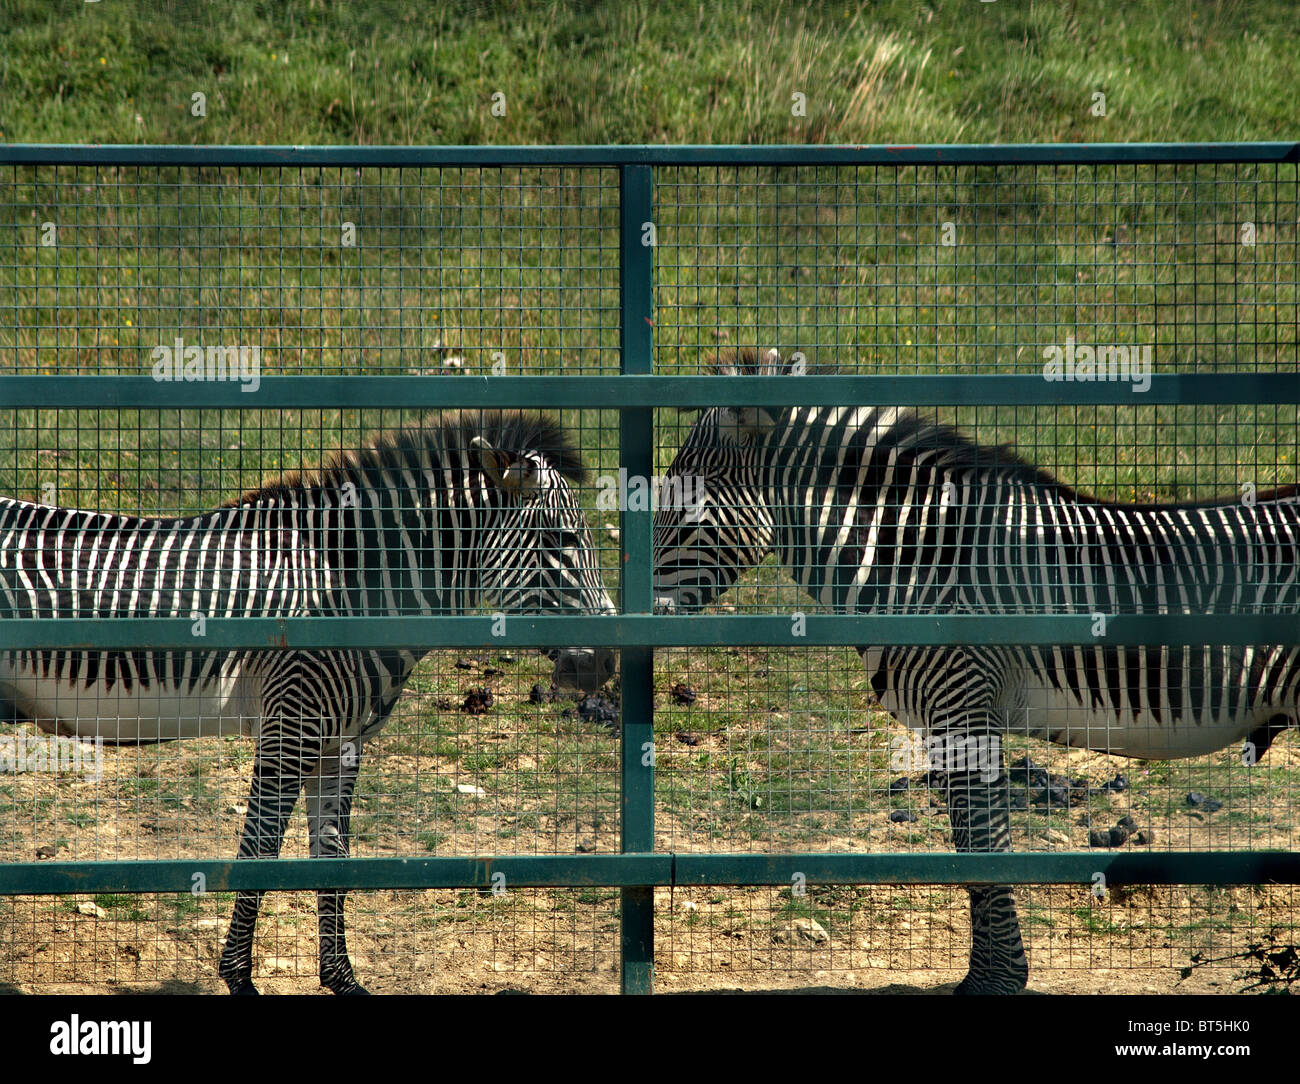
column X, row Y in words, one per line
column 1058, row 716
column 122, row 716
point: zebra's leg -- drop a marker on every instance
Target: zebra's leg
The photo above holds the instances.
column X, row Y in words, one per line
column 329, row 813
column 277, row 779
column 978, row 807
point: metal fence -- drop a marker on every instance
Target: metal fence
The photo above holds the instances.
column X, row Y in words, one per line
column 726, row 807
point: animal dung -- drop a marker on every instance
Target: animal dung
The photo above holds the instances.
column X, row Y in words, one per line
column 596, row 709
column 478, row 702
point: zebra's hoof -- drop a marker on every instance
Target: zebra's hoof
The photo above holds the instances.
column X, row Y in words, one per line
column 242, row 987
column 983, row 985
column 344, row 986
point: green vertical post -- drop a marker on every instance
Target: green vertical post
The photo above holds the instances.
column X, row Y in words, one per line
column 636, row 441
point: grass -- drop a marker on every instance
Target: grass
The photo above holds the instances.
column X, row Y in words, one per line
column 946, row 71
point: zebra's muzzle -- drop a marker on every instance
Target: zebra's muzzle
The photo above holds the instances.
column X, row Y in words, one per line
column 583, row 668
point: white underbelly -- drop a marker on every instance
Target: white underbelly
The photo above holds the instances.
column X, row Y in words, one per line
column 134, row 716
column 1055, row 715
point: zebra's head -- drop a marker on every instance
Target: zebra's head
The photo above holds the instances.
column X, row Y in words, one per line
column 537, row 550
column 703, row 547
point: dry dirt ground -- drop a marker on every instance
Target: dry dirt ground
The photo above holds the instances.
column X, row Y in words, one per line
column 54, row 949
column 185, row 800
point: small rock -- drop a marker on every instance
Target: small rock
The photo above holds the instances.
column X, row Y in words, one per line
column 901, row 816
column 209, row 923
column 238, row 809
column 1053, row 835
column 469, row 788
column 683, row 694
column 47, row 851
column 506, row 660
column 1145, row 836
column 1195, row 798
column 586, row 846
column 1127, row 822
column 93, row 909
column 687, row 738
column 464, row 664
column 1118, row 836
column 690, row 905
column 1117, row 785
column 1097, row 838
column 478, row 702
column 899, row 785
column 540, row 695
column 492, row 671
column 803, row 929
column 1212, row 805
column 442, row 704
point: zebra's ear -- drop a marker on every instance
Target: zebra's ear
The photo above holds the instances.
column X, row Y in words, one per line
column 509, row 475
column 746, row 425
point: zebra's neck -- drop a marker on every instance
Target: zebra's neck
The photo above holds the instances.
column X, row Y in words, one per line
column 390, row 536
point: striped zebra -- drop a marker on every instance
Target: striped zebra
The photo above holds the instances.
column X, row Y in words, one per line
column 878, row 509
column 459, row 511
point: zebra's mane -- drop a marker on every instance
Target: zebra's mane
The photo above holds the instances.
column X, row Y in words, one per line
column 955, row 450
column 509, row 431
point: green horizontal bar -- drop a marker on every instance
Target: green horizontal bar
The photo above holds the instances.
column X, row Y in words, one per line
column 293, row 874
column 617, row 870
column 1177, row 867
column 614, row 391
column 644, row 154
column 643, row 630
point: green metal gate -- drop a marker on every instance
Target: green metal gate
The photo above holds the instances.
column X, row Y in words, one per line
column 1216, row 365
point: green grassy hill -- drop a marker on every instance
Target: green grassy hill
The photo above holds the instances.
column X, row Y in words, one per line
column 316, row 71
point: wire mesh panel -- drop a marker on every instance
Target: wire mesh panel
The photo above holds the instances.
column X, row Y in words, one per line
column 323, row 270
column 980, row 268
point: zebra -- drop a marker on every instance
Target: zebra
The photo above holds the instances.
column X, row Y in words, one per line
column 459, row 510
column 870, row 508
